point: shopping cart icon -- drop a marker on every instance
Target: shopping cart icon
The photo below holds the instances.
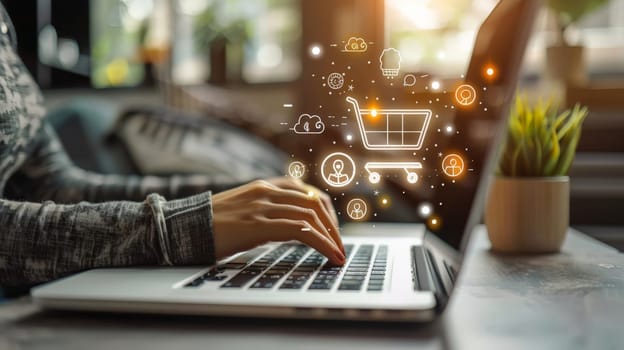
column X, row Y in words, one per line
column 390, row 130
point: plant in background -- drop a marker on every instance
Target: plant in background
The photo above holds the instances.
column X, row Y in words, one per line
column 541, row 141
column 212, row 26
column 570, row 11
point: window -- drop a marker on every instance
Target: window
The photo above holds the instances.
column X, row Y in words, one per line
column 262, row 39
column 437, row 36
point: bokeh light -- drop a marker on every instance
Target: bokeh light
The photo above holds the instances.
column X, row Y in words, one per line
column 425, row 210
column 316, row 51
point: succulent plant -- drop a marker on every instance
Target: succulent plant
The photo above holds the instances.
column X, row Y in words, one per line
column 571, row 11
column 541, row 141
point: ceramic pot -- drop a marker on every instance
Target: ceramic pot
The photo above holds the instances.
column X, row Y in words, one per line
column 566, row 64
column 528, row 215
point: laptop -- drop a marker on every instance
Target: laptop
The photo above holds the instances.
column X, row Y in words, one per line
column 394, row 272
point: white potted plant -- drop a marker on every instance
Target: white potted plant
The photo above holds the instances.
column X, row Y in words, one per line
column 565, row 61
column 528, row 205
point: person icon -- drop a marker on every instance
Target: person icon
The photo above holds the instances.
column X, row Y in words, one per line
column 356, row 209
column 452, row 169
column 338, row 169
column 296, row 170
column 453, row 165
column 356, row 213
column 465, row 95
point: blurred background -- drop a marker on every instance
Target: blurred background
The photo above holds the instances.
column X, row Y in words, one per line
column 124, row 79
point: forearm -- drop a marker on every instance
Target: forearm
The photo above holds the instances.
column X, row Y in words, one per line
column 41, row 242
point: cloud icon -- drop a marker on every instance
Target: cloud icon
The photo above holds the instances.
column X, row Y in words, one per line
column 309, row 124
column 355, row 44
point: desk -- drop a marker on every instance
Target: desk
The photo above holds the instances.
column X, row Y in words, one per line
column 572, row 300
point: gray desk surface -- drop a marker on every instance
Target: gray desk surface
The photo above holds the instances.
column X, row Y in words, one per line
column 572, row 300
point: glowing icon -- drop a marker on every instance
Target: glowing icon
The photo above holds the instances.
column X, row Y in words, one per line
column 425, row 210
column 391, row 129
column 385, row 202
column 315, row 51
column 489, row 71
column 390, row 62
column 309, row 124
column 453, row 165
column 338, row 169
column 357, row 209
column 335, row 81
column 465, row 95
column 449, row 129
column 434, row 222
column 355, row 44
column 408, row 167
column 296, row 169
column 409, row 80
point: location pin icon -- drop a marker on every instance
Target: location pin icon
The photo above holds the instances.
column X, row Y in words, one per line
column 338, row 164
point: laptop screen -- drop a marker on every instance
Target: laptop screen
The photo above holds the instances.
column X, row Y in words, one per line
column 392, row 143
column 481, row 107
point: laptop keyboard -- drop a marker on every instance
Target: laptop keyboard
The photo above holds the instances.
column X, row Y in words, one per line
column 298, row 267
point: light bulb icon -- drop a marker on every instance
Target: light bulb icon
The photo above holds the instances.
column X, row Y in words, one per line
column 390, row 62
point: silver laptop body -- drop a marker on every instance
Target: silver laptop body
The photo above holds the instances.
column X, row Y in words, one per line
column 394, row 272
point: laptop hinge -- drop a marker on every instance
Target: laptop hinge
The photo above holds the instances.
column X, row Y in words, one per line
column 439, row 290
column 426, row 275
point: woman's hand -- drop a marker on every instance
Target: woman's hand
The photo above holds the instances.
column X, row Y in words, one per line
column 280, row 209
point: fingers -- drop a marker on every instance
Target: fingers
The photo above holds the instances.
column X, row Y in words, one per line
column 300, row 230
column 291, row 200
column 312, row 192
column 330, row 212
column 298, row 185
column 327, row 203
column 292, row 212
column 305, row 201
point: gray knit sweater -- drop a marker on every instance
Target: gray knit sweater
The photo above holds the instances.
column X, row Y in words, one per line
column 56, row 219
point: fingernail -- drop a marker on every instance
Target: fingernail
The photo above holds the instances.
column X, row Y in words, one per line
column 341, row 257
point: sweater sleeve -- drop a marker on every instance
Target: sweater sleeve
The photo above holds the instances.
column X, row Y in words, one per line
column 44, row 241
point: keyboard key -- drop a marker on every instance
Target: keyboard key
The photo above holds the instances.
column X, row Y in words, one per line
column 350, row 286
column 240, row 279
column 194, row 283
column 213, row 278
column 324, row 286
column 292, row 284
column 355, row 273
column 354, row 278
column 248, row 256
column 357, row 269
column 234, row 266
column 263, row 285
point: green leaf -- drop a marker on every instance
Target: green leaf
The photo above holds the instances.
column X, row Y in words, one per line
column 553, row 156
column 573, row 10
column 568, row 153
